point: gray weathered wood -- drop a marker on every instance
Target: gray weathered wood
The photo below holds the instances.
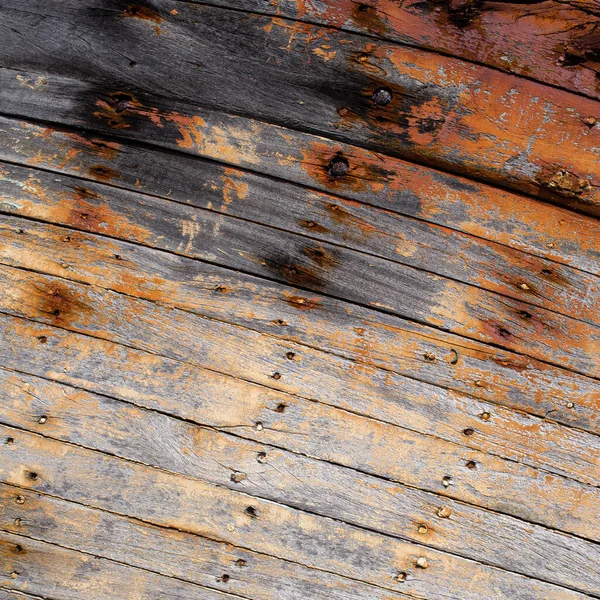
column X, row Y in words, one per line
column 111, row 426
column 197, row 507
column 393, row 452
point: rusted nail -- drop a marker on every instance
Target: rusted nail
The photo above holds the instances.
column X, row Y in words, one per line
column 402, row 577
column 42, row 419
column 240, row 562
column 261, row 457
column 280, row 408
column 224, row 578
column 471, row 464
column 485, row 416
column 20, row 499
column 447, row 481
column 422, row 562
column 444, row 512
column 290, row 355
column 18, row 548
column 276, row 376
column 338, row 167
column 310, row 224
column 429, row 357
column 456, row 356
column 42, row 339
column 382, row 96
column 238, row 477
column 423, row 529
column 468, row 431
column 251, row 512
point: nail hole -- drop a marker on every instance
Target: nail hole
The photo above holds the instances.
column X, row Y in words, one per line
column 471, row 464
column 251, row 512
column 10, row 440
column 224, row 578
column 42, row 339
column 429, row 357
column 261, row 457
column 56, row 312
column 546, row 272
column 402, row 577
column 504, row 332
column 280, row 408
column 468, row 431
column 363, row 8
column 240, row 562
column 42, row 419
column 338, row 167
column 18, row 548
column 118, row 257
column 276, row 376
column 258, row 426
column 525, row 314
column 20, row 499
column 32, row 476
column 447, row 481
column 290, row 355
column 423, row 529
column 281, row 322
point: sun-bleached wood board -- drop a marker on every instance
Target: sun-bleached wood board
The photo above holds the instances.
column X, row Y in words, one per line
column 194, row 506
column 445, row 112
column 296, row 480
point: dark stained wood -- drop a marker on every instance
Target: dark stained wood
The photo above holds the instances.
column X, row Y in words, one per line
column 201, row 288
column 454, row 202
column 320, row 216
column 554, row 42
column 446, row 112
column 314, row 265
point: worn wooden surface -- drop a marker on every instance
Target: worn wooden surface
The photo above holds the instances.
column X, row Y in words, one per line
column 231, row 369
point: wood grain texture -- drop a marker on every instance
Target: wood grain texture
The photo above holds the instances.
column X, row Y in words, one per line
column 111, row 426
column 305, row 372
column 200, row 508
column 553, row 42
column 324, row 217
column 411, row 350
column 446, row 112
column 34, row 569
column 315, row 265
column 173, row 553
column 394, row 452
column 450, row 201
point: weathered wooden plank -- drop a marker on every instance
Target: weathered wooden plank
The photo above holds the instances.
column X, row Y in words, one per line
column 233, row 517
column 317, row 266
column 444, row 111
column 515, row 221
column 488, row 373
column 17, row 595
column 32, row 566
column 313, row 374
column 320, row 216
column 396, row 453
column 172, row 553
column 552, row 42
column 110, row 426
